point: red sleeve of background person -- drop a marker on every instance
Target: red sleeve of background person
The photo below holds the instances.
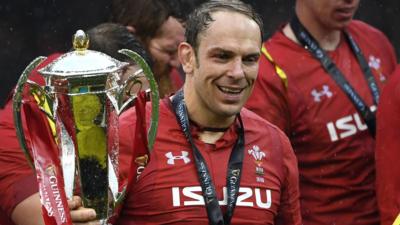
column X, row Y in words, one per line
column 388, row 151
column 17, row 180
column 269, row 99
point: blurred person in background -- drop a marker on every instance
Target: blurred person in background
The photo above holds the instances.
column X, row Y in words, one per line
column 159, row 25
column 319, row 81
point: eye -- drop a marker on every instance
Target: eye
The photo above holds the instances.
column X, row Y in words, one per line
column 251, row 59
column 171, row 51
column 222, row 56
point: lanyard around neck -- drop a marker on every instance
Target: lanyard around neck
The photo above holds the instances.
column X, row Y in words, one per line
column 308, row 41
column 214, row 213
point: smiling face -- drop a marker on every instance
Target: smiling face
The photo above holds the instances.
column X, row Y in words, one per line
column 221, row 74
column 331, row 14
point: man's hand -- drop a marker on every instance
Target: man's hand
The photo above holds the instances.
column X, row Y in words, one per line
column 81, row 215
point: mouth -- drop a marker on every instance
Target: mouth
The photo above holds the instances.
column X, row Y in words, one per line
column 230, row 90
column 345, row 12
column 346, row 9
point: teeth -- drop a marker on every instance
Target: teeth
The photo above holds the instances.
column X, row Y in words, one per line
column 230, row 91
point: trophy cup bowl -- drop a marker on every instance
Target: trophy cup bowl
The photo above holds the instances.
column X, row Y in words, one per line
column 82, row 99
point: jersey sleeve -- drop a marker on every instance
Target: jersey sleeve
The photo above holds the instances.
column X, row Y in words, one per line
column 289, row 209
column 269, row 98
column 388, row 52
column 17, row 179
column 375, row 44
column 387, row 151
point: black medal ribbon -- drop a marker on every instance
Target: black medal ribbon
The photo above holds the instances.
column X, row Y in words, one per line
column 308, row 41
column 214, row 213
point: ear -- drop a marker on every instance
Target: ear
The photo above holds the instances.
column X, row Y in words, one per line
column 187, row 57
column 131, row 29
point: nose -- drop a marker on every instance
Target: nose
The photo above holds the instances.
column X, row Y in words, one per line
column 237, row 68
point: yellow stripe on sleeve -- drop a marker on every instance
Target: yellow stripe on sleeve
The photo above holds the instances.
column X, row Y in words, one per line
column 278, row 70
column 397, row 221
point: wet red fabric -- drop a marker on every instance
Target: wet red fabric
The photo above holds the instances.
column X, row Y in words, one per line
column 168, row 190
column 334, row 149
column 388, row 151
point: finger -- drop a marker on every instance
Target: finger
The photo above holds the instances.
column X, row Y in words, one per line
column 88, row 223
column 75, row 202
column 83, row 215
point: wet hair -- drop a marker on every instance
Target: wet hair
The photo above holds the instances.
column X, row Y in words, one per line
column 201, row 18
column 110, row 37
column 146, row 16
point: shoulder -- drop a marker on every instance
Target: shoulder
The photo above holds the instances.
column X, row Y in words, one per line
column 253, row 122
column 280, row 44
column 395, row 79
column 391, row 92
column 361, row 28
column 362, row 31
column 134, row 115
column 375, row 45
column 261, row 131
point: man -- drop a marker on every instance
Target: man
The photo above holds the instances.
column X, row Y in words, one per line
column 312, row 84
column 213, row 162
column 387, row 152
column 159, row 26
column 109, row 38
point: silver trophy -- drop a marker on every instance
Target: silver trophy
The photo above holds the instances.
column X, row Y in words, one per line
column 82, row 99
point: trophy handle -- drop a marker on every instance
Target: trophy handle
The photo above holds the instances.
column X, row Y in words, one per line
column 155, row 97
column 17, row 101
column 126, row 87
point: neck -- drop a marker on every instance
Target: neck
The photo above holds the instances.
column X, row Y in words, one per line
column 199, row 114
column 327, row 38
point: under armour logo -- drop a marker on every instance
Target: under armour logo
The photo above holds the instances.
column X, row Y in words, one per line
column 318, row 94
column 172, row 158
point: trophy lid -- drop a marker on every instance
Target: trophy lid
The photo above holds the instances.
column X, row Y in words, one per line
column 81, row 61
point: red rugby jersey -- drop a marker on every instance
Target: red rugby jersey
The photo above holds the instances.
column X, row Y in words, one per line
column 388, row 151
column 334, row 149
column 168, row 190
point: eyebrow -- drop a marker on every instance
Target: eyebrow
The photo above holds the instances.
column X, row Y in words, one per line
column 219, row 49
column 227, row 51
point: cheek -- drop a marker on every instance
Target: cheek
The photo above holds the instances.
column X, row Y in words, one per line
column 251, row 74
column 158, row 56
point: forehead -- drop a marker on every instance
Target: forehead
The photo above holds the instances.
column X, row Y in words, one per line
column 171, row 31
column 231, row 30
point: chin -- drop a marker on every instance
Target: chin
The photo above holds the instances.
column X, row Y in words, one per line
column 231, row 110
column 341, row 24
